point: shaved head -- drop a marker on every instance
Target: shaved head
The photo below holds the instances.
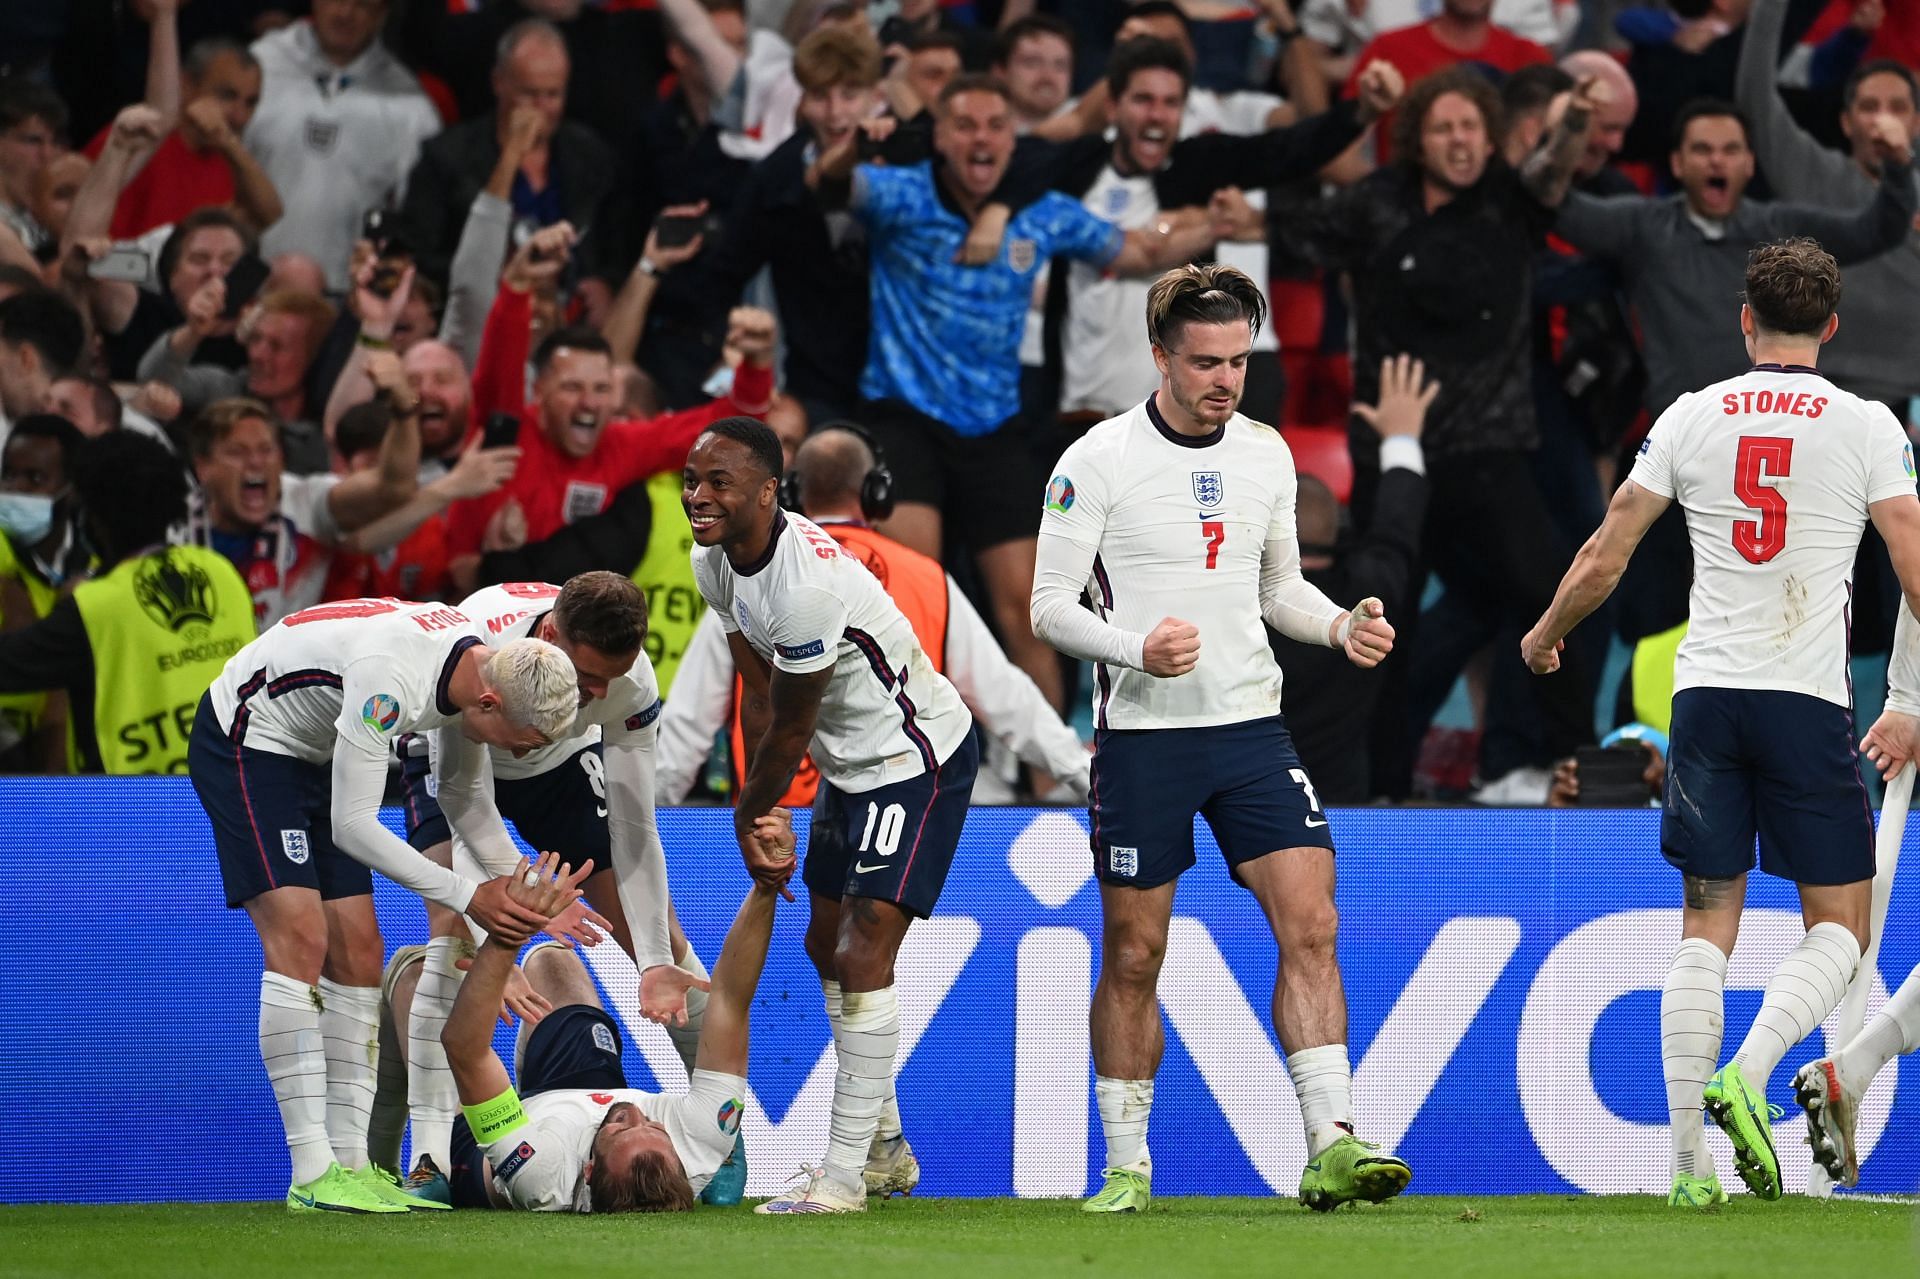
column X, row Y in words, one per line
column 831, row 465
column 1609, row 132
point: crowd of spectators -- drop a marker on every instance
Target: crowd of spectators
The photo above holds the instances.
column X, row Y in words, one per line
column 424, row 295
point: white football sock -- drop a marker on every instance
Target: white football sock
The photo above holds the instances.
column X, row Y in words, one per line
column 433, row 1101
column 388, row 1123
column 1323, row 1081
column 1894, row 1030
column 1692, row 1016
column 1125, row 1105
column 865, row 1039
column 686, row 1039
column 350, row 1035
column 1809, row 983
column 889, row 1126
column 297, row 1065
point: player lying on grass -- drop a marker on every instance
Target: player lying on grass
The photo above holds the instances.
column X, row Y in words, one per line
column 288, row 753
column 574, row 1137
column 588, row 794
column 1830, row 1089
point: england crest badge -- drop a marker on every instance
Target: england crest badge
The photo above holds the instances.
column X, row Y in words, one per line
column 1208, row 489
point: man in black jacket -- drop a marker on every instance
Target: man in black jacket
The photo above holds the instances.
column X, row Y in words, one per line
column 565, row 171
column 1329, row 700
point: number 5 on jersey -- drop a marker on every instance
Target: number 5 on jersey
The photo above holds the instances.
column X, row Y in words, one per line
column 1761, row 458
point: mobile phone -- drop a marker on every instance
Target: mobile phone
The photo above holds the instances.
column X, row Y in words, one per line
column 1612, row 776
column 676, row 229
column 381, row 228
column 128, row 263
column 245, row 279
column 501, row 431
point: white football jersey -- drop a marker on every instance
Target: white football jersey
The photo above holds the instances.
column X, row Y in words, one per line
column 888, row 715
column 1178, row 527
column 512, row 611
column 1775, row 470
column 540, row 1165
column 356, row 671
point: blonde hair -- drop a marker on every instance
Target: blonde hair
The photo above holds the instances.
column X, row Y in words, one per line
column 536, row 685
column 1211, row 294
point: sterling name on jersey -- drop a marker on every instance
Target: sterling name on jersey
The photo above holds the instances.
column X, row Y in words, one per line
column 1775, row 470
column 808, row 605
column 1178, row 527
column 363, row 671
column 540, row 1165
column 513, row 611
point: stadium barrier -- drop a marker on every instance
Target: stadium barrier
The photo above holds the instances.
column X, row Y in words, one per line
column 1503, row 970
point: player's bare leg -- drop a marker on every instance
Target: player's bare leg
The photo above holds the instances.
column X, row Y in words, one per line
column 1008, row 572
column 1808, row 984
column 1294, row 887
column 1127, row 1037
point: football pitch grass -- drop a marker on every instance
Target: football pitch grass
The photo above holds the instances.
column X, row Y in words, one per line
column 1539, row 1237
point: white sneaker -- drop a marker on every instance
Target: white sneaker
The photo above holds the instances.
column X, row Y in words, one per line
column 817, row 1193
column 1831, row 1114
column 891, row 1168
column 1521, row 788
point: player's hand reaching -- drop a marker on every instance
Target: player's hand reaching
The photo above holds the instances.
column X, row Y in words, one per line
column 766, row 845
column 503, row 918
column 1366, row 635
column 522, row 1000
column 663, row 993
column 1541, row 658
column 1172, row 649
column 1892, row 743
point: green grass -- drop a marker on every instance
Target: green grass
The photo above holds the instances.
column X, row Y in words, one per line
column 1542, row 1237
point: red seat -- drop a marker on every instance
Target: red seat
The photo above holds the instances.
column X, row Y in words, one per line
column 1321, row 451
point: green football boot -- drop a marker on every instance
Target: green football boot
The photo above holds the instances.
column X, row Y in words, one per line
column 1696, row 1192
column 387, row 1187
column 1744, row 1115
column 1124, row 1191
column 1349, row 1170
column 337, row 1190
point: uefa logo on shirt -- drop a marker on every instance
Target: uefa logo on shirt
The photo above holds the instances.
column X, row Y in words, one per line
column 1059, row 494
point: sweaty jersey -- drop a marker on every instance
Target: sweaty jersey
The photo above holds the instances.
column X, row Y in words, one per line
column 539, row 1164
column 1178, row 526
column 352, row 673
column 1775, row 470
column 513, row 611
column 808, row 606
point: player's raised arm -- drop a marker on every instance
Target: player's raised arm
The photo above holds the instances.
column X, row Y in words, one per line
column 736, row 974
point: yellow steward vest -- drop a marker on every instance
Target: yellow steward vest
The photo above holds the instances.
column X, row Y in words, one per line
column 665, row 573
column 23, row 710
column 161, row 627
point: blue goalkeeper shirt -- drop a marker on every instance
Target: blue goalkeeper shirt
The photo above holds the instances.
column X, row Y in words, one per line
column 946, row 337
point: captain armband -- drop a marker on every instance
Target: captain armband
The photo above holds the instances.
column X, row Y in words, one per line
column 494, row 1119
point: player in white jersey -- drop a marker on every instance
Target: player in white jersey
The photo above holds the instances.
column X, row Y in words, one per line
column 568, row 1134
column 1829, row 1088
column 1778, row 472
column 289, row 755
column 829, row 664
column 1182, row 508
column 588, row 795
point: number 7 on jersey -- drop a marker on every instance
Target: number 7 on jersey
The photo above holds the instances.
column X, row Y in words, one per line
column 1215, row 532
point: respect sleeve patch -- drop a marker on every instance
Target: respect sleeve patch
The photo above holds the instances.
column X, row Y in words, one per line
column 801, row 652
column 637, row 722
